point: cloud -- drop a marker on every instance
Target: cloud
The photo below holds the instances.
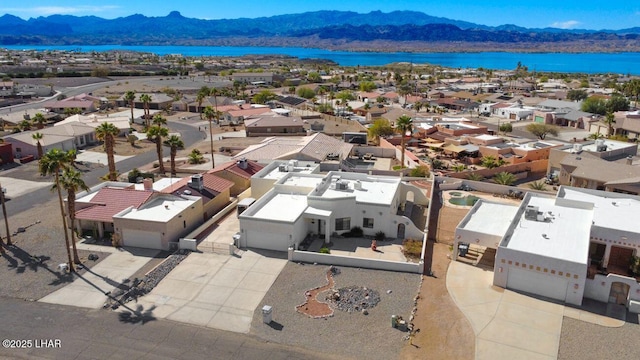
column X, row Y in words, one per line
column 570, row 24
column 50, row 10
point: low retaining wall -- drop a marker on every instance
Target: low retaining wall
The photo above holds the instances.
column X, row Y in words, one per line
column 328, row 259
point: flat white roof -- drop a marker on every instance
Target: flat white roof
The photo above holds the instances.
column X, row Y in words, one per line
column 161, row 184
column 373, row 190
column 614, row 212
column 302, row 181
column 611, row 145
column 487, row 137
column 491, row 218
column 564, row 235
column 282, row 207
column 276, row 174
column 161, row 209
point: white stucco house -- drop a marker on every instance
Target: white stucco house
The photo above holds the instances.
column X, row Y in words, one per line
column 577, row 244
column 302, row 204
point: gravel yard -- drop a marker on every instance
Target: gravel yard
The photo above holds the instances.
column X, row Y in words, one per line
column 582, row 340
column 30, row 269
column 347, row 335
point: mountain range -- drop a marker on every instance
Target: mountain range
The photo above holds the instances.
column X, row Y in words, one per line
column 286, row 30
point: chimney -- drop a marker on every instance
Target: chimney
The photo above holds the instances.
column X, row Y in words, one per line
column 148, row 184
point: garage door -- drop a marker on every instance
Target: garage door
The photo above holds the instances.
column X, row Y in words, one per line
column 532, row 282
column 142, row 239
column 265, row 240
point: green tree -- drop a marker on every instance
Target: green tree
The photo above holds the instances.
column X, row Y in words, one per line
column 417, row 106
column 71, row 181
column 404, row 125
column 200, row 96
column 210, row 113
column 458, row 168
column 52, row 163
column 542, row 130
column 475, row 177
column 264, row 96
column 609, row 119
column 39, row 120
column 595, row 136
column 632, row 89
column 158, row 120
column 130, row 98
column 306, row 93
column 24, row 125
column 617, row 102
column 195, row 157
column 577, row 95
column 594, row 105
column 156, row 133
column 146, row 99
column 38, row 138
column 420, row 171
column 489, row 161
column 506, row 128
column 174, row 143
column 367, row 86
column 504, row 178
column 538, row 185
column 380, row 127
column 345, row 96
column 107, row 132
column 314, row 77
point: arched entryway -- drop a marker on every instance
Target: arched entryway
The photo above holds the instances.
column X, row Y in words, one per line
column 619, row 293
column 400, row 234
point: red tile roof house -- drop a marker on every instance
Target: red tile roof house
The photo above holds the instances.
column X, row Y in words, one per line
column 214, row 191
column 141, row 218
column 238, row 172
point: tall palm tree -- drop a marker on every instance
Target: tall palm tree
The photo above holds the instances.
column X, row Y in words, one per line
column 146, row 99
column 609, row 119
column 210, row 113
column 38, row 138
column 404, row 125
column 174, row 143
column 155, row 133
column 39, row 120
column 24, row 125
column 71, row 180
column 130, row 98
column 52, row 163
column 202, row 94
column 158, row 120
column 107, row 132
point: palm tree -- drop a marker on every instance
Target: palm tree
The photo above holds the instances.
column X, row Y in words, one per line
column 504, row 178
column 24, row 125
column 155, row 133
column 39, row 120
column 130, row 98
column 210, row 113
column 458, row 167
column 609, row 119
column 71, row 180
column 38, row 138
column 475, row 177
column 195, row 157
column 53, row 162
column 107, row 132
column 404, row 125
column 174, row 143
column 158, row 120
column 538, row 185
column 146, row 99
column 202, row 93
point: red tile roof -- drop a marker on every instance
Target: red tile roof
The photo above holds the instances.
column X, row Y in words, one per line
column 233, row 167
column 110, row 201
column 212, row 182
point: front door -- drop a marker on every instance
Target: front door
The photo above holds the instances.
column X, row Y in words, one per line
column 400, row 231
column 619, row 293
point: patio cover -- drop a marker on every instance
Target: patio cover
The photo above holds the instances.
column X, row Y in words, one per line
column 454, row 148
column 317, row 212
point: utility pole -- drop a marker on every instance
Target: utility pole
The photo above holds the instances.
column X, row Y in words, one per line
column 4, row 213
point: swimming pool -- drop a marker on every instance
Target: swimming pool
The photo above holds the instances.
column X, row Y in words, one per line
column 468, row 200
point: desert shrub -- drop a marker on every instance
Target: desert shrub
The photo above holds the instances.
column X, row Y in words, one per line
column 325, row 250
column 380, row 235
column 412, row 248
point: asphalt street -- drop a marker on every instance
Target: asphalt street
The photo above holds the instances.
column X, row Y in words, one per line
column 48, row 331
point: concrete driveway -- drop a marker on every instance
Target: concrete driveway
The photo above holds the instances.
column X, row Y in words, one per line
column 88, row 290
column 97, row 157
column 213, row 290
column 510, row 325
column 17, row 187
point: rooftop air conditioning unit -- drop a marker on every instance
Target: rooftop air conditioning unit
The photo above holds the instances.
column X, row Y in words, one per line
column 282, row 168
column 342, row 185
column 531, row 213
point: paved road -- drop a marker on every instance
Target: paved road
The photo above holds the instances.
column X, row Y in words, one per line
column 101, row 334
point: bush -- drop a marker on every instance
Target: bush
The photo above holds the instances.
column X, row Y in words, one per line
column 412, row 248
column 380, row 235
column 325, row 250
column 355, row 231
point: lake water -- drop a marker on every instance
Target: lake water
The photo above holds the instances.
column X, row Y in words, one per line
column 620, row 63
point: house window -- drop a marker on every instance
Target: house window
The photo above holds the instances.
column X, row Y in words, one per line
column 343, row 224
column 184, row 223
column 367, row 222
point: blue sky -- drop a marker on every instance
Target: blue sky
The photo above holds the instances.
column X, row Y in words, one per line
column 584, row 14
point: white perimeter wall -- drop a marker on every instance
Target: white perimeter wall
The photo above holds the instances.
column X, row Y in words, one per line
column 311, row 257
column 599, row 287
